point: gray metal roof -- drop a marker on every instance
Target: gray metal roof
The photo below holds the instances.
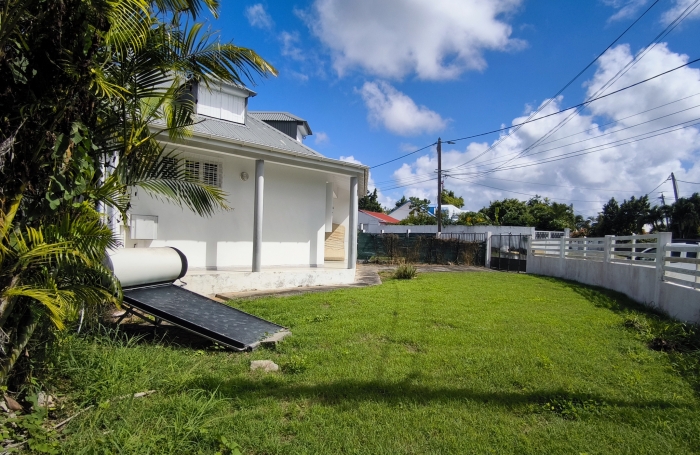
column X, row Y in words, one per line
column 275, row 116
column 254, row 132
column 271, row 117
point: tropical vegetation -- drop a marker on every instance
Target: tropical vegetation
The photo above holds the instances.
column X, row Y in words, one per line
column 88, row 87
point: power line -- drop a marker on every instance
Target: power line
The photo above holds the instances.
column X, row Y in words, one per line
column 403, row 156
column 559, row 186
column 524, row 194
column 611, row 81
column 580, row 132
column 549, row 100
column 604, row 146
column 596, row 137
column 657, row 186
column 685, row 181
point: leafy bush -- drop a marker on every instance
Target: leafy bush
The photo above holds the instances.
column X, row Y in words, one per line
column 405, row 272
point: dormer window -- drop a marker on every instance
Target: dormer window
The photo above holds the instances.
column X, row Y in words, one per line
column 291, row 125
column 222, row 102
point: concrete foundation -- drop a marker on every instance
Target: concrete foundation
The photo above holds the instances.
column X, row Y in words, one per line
column 212, row 282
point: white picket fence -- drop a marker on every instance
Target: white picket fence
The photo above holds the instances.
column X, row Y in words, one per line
column 675, row 263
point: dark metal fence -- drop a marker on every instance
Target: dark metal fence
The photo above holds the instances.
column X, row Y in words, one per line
column 467, row 249
column 509, row 252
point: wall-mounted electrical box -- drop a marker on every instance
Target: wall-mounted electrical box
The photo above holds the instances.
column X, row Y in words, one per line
column 143, row 227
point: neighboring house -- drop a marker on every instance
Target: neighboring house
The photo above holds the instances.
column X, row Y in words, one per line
column 452, row 211
column 404, row 210
column 307, row 203
column 401, row 212
column 366, row 218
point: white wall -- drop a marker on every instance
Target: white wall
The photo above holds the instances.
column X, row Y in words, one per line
column 293, row 218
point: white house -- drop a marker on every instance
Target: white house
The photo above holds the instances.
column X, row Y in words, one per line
column 291, row 206
column 453, row 212
column 404, row 210
column 401, row 212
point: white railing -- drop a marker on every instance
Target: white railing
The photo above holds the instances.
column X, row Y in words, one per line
column 681, row 265
column 604, row 249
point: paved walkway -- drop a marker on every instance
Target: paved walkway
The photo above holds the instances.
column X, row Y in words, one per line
column 365, row 275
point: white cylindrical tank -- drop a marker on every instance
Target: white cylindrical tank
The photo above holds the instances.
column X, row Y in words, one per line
column 144, row 266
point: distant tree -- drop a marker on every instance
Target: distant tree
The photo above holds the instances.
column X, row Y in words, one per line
column 370, row 202
column 401, row 202
column 622, row 219
column 473, row 219
column 551, row 216
column 685, row 217
column 418, row 205
column 509, row 212
column 448, row 197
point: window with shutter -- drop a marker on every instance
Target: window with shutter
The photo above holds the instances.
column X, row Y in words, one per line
column 192, row 168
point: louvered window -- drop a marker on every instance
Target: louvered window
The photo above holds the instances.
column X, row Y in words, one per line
column 207, row 172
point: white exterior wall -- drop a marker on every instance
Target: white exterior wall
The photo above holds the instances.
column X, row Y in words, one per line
column 294, row 218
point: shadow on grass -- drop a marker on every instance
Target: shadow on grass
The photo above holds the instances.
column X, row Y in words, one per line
column 348, row 393
column 680, row 340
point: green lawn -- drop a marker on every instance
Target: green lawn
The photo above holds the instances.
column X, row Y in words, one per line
column 445, row 363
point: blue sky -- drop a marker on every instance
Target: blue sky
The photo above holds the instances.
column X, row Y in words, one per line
column 376, row 80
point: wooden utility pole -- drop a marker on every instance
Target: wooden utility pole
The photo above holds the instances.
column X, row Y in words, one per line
column 438, row 212
column 673, row 179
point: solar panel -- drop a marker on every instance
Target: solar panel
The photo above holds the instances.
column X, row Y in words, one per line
column 209, row 318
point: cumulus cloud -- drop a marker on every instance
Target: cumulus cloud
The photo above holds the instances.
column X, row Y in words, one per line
column 386, row 201
column 437, row 39
column 679, row 6
column 258, row 17
column 321, row 138
column 290, row 46
column 611, row 159
column 397, row 112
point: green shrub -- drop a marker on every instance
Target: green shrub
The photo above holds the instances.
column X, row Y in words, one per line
column 405, row 272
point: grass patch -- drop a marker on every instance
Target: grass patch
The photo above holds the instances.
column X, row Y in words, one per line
column 443, row 363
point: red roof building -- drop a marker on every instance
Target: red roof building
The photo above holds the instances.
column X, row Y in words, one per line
column 367, row 217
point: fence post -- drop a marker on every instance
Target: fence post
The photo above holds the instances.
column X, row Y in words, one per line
column 585, row 248
column 567, row 232
column 487, row 254
column 634, row 242
column 408, row 232
column 662, row 239
column 562, row 248
column 607, row 248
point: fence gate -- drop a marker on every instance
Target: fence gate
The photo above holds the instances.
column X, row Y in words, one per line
column 509, row 252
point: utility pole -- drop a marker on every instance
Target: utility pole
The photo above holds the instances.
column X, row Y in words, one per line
column 673, row 179
column 438, row 213
column 663, row 204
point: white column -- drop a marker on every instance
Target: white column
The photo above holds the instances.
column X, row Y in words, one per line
column 258, row 214
column 352, row 224
column 661, row 240
column 329, row 207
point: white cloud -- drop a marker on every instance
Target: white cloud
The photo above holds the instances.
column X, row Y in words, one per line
column 397, row 112
column 321, row 138
column 437, row 39
column 679, row 6
column 626, row 9
column 611, row 169
column 290, row 46
column 258, row 17
column 384, row 200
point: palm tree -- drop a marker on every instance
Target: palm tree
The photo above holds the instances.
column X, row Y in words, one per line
column 80, row 139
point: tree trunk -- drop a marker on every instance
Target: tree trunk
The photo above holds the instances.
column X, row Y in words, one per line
column 25, row 330
column 7, row 303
